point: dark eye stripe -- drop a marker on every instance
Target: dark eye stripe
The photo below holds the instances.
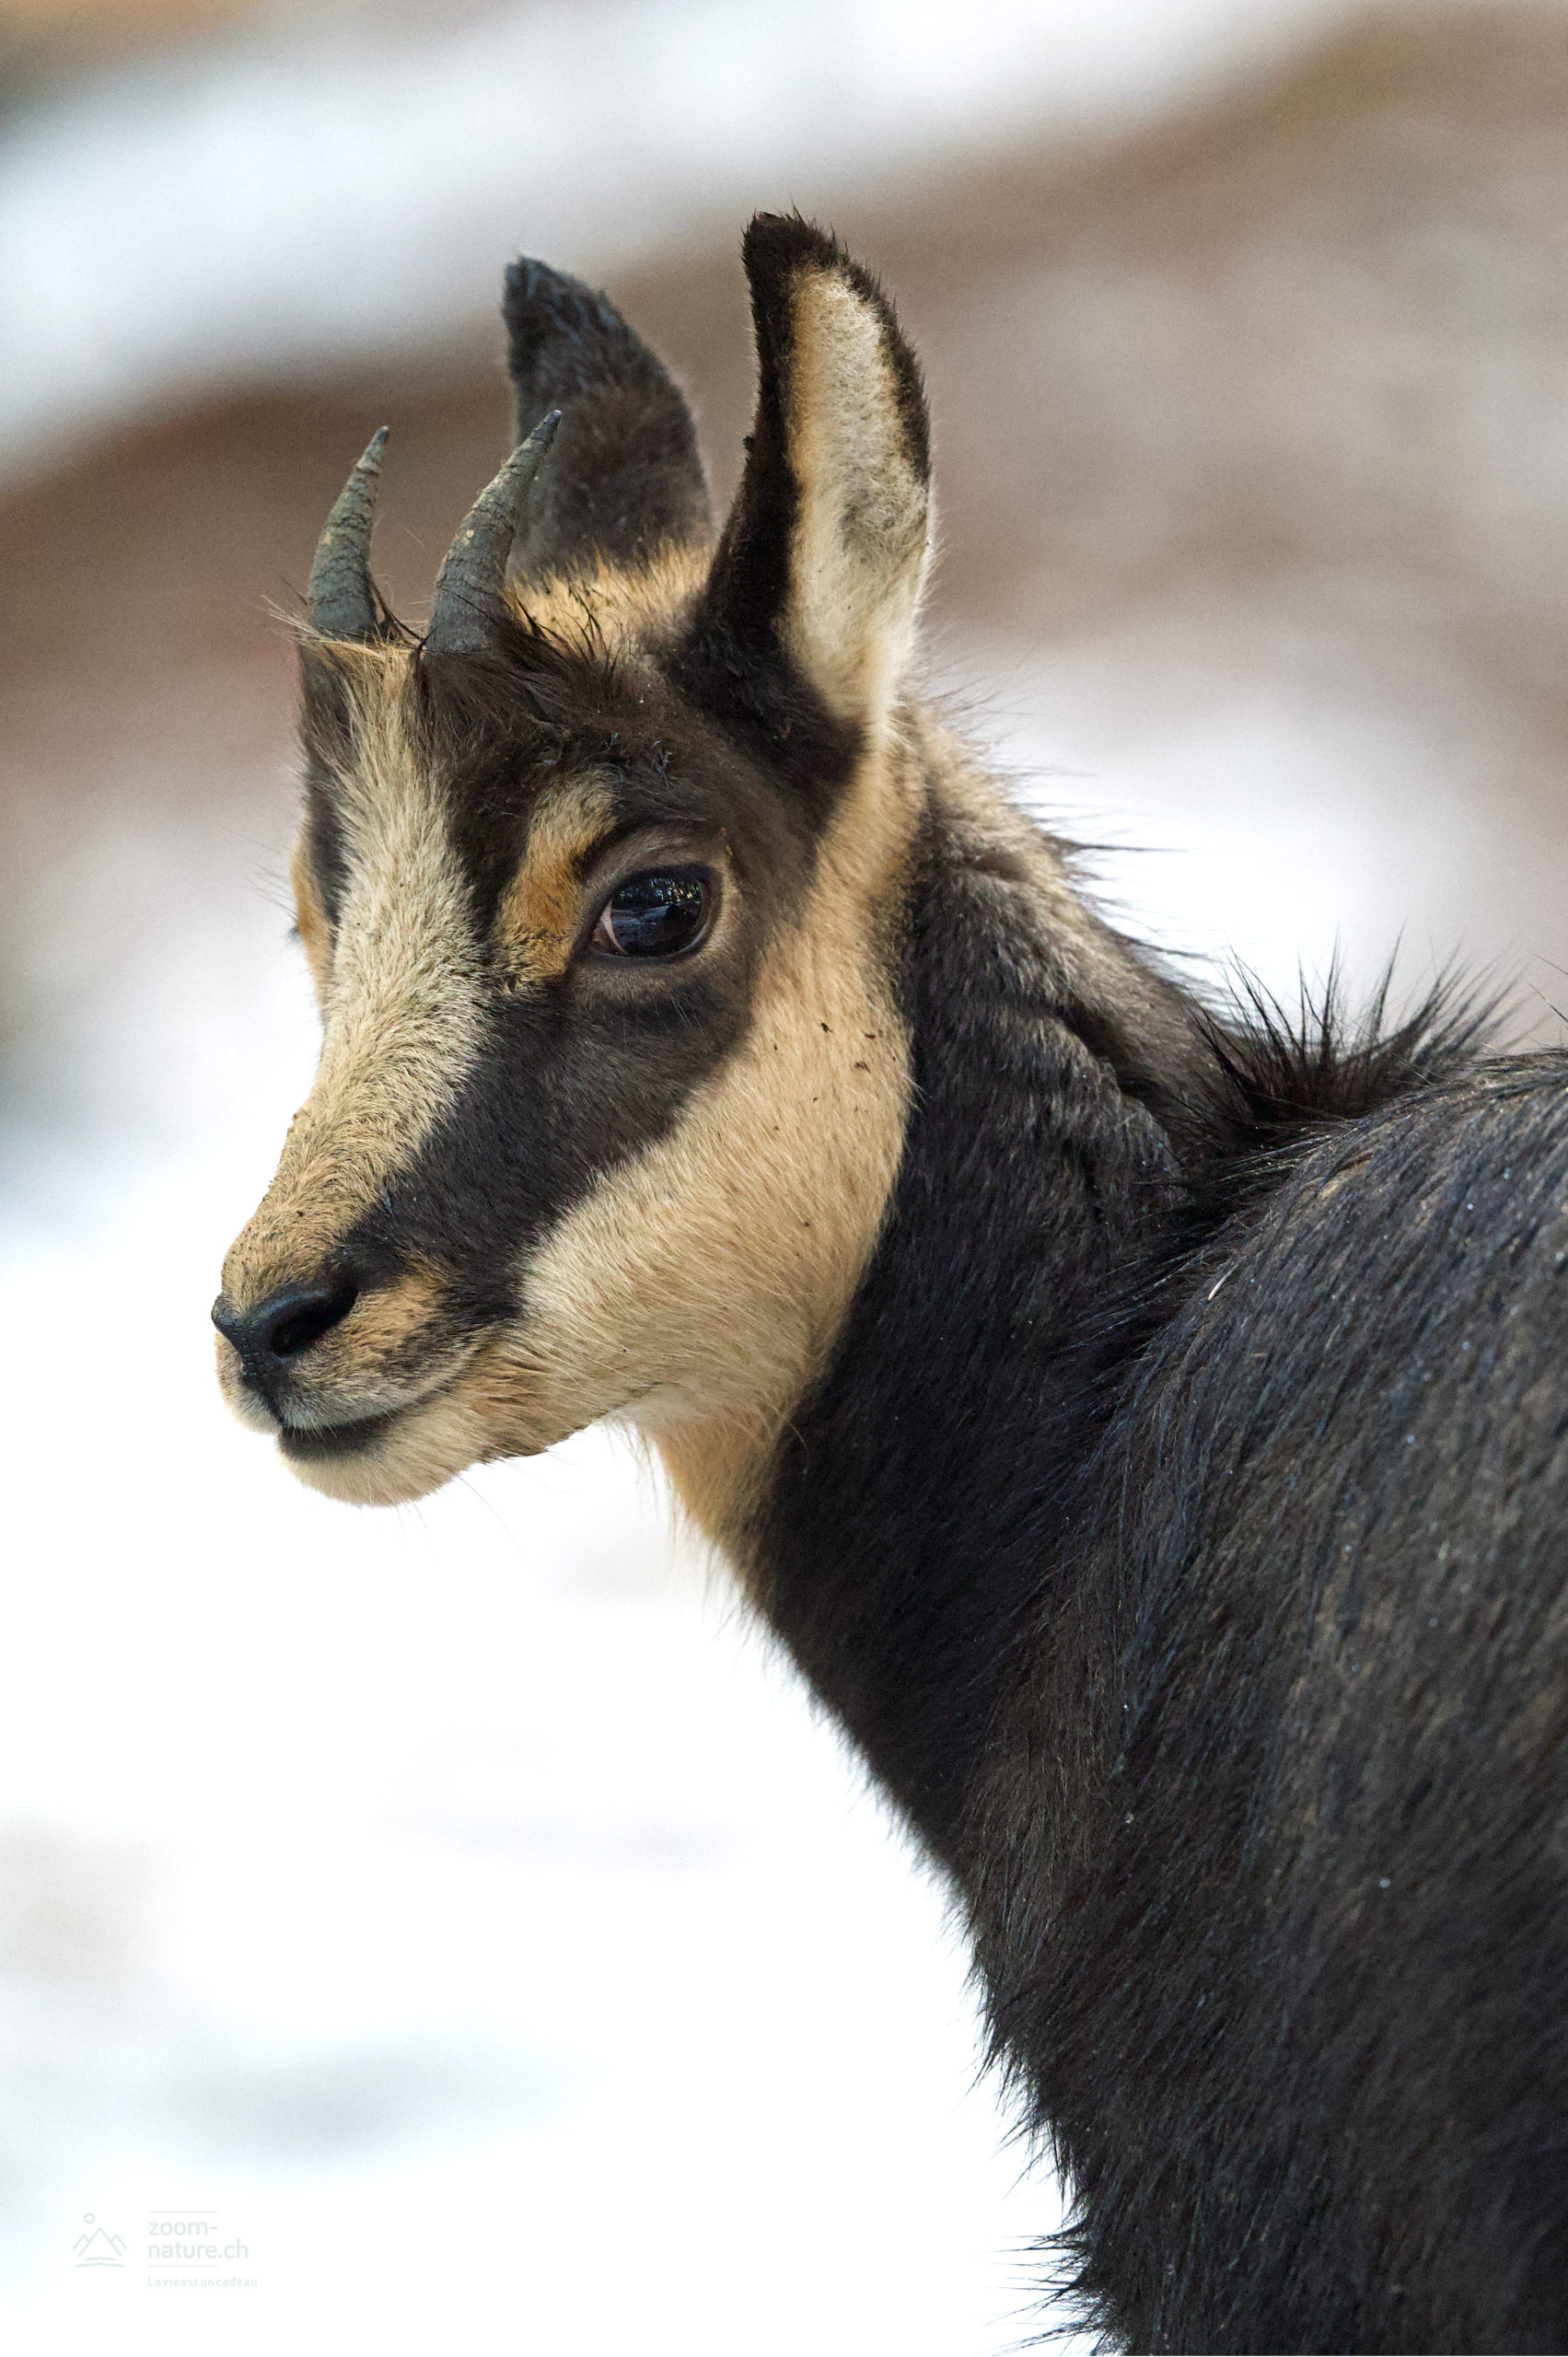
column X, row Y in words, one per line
column 655, row 915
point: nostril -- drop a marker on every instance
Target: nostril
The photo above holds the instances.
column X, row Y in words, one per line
column 284, row 1324
column 290, row 1322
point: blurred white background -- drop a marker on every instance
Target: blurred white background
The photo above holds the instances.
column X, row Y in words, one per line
column 464, row 1907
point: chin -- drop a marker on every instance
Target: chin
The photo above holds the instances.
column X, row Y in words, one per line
column 386, row 1460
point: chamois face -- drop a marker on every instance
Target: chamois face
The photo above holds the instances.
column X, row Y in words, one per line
column 599, row 889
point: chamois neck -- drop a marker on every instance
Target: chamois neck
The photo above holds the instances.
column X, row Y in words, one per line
column 906, row 1524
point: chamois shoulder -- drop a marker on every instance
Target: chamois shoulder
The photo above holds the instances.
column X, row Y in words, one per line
column 1420, row 1249
column 1469, row 1163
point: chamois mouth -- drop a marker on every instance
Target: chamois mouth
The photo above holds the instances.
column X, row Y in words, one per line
column 316, row 1443
column 319, row 1442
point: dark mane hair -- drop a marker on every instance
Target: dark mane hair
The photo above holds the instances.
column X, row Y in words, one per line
column 1285, row 1077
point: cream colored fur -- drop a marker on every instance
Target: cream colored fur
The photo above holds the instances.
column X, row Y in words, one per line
column 699, row 1290
column 402, row 1018
column 863, row 534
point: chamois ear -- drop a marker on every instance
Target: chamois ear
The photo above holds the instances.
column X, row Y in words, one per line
column 825, row 550
column 625, row 476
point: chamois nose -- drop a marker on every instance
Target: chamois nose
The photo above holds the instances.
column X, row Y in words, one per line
column 284, row 1324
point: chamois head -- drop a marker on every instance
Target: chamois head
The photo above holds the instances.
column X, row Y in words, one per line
column 598, row 886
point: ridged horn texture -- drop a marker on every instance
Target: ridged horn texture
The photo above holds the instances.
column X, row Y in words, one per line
column 468, row 588
column 340, row 600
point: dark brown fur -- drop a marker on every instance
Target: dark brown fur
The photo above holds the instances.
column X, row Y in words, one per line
column 1143, row 1427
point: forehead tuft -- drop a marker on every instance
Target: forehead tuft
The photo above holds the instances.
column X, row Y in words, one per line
column 622, row 610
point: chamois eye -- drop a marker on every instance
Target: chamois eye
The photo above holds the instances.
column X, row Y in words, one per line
column 657, row 915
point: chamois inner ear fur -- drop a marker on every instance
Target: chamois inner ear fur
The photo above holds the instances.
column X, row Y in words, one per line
column 817, row 579
column 862, row 530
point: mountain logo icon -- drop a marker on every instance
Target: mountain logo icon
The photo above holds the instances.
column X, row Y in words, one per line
column 97, row 2247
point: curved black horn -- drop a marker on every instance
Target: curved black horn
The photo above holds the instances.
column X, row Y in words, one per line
column 340, row 600
column 468, row 588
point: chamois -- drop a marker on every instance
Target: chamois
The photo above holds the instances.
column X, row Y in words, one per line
column 1144, row 1426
